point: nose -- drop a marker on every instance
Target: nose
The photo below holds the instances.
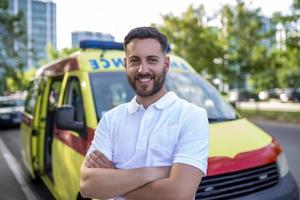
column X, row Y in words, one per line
column 143, row 68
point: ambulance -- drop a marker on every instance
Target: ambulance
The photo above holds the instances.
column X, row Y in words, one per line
column 69, row 96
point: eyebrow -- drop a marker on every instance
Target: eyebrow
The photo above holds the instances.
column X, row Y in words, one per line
column 150, row 56
column 133, row 57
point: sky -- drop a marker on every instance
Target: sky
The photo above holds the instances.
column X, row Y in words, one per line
column 117, row 17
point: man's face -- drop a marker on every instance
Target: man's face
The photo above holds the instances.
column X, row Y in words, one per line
column 146, row 66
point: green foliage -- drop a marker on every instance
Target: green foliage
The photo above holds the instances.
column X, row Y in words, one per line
column 240, row 49
column 245, row 52
column 13, row 44
column 289, row 73
column 191, row 39
column 277, row 116
column 53, row 54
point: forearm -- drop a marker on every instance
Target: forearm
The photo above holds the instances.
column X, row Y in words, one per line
column 161, row 189
column 109, row 183
column 181, row 184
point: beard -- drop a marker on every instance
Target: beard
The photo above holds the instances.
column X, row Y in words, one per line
column 158, row 83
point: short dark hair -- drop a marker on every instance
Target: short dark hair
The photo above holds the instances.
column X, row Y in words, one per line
column 147, row 32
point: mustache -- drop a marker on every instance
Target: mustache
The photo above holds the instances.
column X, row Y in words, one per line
column 144, row 75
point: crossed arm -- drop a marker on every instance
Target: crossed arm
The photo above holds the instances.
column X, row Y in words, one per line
column 99, row 179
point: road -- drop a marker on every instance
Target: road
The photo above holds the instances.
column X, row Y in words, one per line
column 288, row 136
column 10, row 187
column 15, row 183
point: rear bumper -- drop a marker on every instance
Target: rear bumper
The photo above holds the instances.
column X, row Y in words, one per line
column 286, row 189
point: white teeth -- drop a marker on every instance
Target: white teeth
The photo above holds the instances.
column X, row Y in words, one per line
column 144, row 79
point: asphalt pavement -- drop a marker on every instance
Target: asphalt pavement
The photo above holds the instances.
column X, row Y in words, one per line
column 288, row 136
column 15, row 182
column 9, row 186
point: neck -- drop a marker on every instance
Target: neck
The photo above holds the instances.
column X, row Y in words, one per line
column 147, row 101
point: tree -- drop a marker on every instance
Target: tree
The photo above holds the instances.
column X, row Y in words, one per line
column 267, row 78
column 193, row 40
column 13, row 44
column 245, row 53
column 53, row 54
column 289, row 73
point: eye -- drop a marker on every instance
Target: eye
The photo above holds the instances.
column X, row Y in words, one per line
column 134, row 61
column 152, row 60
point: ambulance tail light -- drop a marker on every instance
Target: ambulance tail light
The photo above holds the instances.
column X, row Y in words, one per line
column 98, row 44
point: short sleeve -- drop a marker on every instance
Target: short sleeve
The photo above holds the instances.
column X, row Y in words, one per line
column 192, row 146
column 102, row 139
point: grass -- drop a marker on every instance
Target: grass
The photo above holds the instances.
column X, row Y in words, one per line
column 278, row 116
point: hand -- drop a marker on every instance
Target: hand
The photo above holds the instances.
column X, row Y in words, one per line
column 96, row 159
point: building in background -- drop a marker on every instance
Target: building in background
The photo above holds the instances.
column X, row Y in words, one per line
column 267, row 27
column 280, row 37
column 77, row 36
column 40, row 18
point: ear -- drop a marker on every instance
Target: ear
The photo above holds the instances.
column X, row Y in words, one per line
column 125, row 65
column 167, row 63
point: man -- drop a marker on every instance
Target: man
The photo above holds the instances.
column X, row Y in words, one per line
column 154, row 147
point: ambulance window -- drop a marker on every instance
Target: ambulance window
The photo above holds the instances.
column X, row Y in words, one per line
column 32, row 96
column 73, row 97
column 195, row 89
column 54, row 94
column 109, row 89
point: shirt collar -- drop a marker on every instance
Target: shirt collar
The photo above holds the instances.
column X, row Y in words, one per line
column 133, row 105
column 163, row 102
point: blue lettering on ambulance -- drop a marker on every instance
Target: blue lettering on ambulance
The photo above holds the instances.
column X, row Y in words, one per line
column 105, row 62
column 94, row 64
column 118, row 62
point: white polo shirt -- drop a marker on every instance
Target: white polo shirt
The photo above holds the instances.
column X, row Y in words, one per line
column 169, row 131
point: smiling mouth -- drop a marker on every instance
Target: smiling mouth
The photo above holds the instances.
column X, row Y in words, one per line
column 144, row 79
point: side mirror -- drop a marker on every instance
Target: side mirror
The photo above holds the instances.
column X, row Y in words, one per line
column 64, row 119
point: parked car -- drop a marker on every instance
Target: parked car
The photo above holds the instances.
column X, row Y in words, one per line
column 290, row 94
column 236, row 95
column 275, row 93
column 11, row 109
column 264, row 95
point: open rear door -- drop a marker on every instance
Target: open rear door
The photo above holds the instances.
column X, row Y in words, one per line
column 29, row 126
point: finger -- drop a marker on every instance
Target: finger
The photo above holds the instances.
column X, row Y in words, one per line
column 100, row 163
column 104, row 159
column 87, row 164
column 102, row 156
column 92, row 163
column 107, row 163
column 97, row 159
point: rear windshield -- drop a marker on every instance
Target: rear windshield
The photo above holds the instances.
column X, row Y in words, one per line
column 112, row 89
